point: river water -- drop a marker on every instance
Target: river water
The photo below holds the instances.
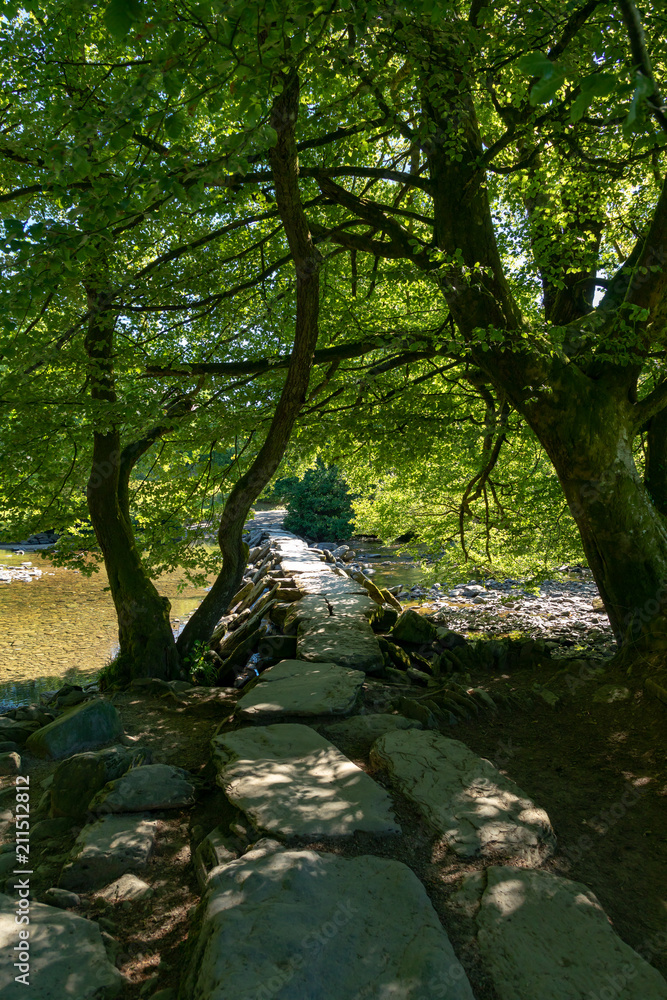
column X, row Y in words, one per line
column 62, row 626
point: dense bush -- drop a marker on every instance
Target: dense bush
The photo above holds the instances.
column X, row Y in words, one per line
column 319, row 506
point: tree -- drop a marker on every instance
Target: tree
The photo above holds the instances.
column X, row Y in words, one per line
column 471, row 176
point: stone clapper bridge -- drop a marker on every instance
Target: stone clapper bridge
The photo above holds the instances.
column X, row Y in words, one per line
column 281, row 922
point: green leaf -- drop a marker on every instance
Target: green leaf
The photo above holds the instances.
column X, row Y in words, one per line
column 174, row 125
column 535, row 64
column 120, row 15
column 643, row 89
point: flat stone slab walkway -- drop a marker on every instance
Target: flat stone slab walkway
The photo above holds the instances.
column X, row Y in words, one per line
column 464, row 798
column 67, row 958
column 543, row 936
column 281, row 925
column 290, row 781
column 295, row 688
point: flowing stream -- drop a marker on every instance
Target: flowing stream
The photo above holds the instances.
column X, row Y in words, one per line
column 62, row 626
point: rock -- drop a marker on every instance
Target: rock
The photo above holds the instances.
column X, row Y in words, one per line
column 355, row 736
column 8, row 863
column 294, row 687
column 77, row 969
column 61, row 898
column 10, row 763
column 289, row 780
column 285, row 924
column 86, row 726
column 77, row 779
column 540, row 935
column 414, row 628
column 347, row 641
column 466, row 800
column 609, row 693
column 52, row 829
column 127, row 889
column 8, row 746
column 15, row 732
column 154, row 786
column 107, row 849
column 214, row 850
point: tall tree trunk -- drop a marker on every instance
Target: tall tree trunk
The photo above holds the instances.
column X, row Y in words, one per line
column 307, row 260
column 587, row 428
column 655, row 475
column 147, row 646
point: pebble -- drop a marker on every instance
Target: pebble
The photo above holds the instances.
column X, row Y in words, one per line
column 564, row 612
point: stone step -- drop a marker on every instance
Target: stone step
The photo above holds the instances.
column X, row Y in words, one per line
column 290, row 781
column 348, row 642
column 472, row 805
column 66, row 956
column 280, row 925
column 540, row 935
column 297, row 688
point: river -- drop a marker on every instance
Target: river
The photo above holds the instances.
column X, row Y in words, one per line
column 62, row 626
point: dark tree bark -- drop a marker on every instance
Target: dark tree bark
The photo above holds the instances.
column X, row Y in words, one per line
column 584, row 412
column 655, row 473
column 147, row 646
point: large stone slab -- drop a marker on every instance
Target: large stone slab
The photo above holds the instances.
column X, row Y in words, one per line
column 108, row 848
column 470, row 803
column 67, row 957
column 357, row 735
column 294, row 687
column 282, row 925
column 155, row 786
column 82, row 728
column 348, row 641
column 544, row 936
column 290, row 781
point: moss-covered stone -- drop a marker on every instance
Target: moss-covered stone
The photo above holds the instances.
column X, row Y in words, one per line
column 84, row 727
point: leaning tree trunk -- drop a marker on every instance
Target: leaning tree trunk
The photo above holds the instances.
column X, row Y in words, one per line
column 307, row 261
column 147, row 646
column 587, row 427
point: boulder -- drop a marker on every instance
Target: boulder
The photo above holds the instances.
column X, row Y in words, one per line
column 414, row 628
column 289, row 780
column 540, row 935
column 280, row 925
column 464, row 798
column 78, row 778
column 16, row 732
column 10, row 763
column 107, row 849
column 355, row 736
column 83, row 727
column 155, row 786
column 76, row 969
column 296, row 688
column 61, row 898
column 127, row 889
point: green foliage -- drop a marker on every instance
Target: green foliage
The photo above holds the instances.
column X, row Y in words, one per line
column 319, row 506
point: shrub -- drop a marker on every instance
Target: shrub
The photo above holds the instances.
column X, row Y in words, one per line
column 319, row 506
